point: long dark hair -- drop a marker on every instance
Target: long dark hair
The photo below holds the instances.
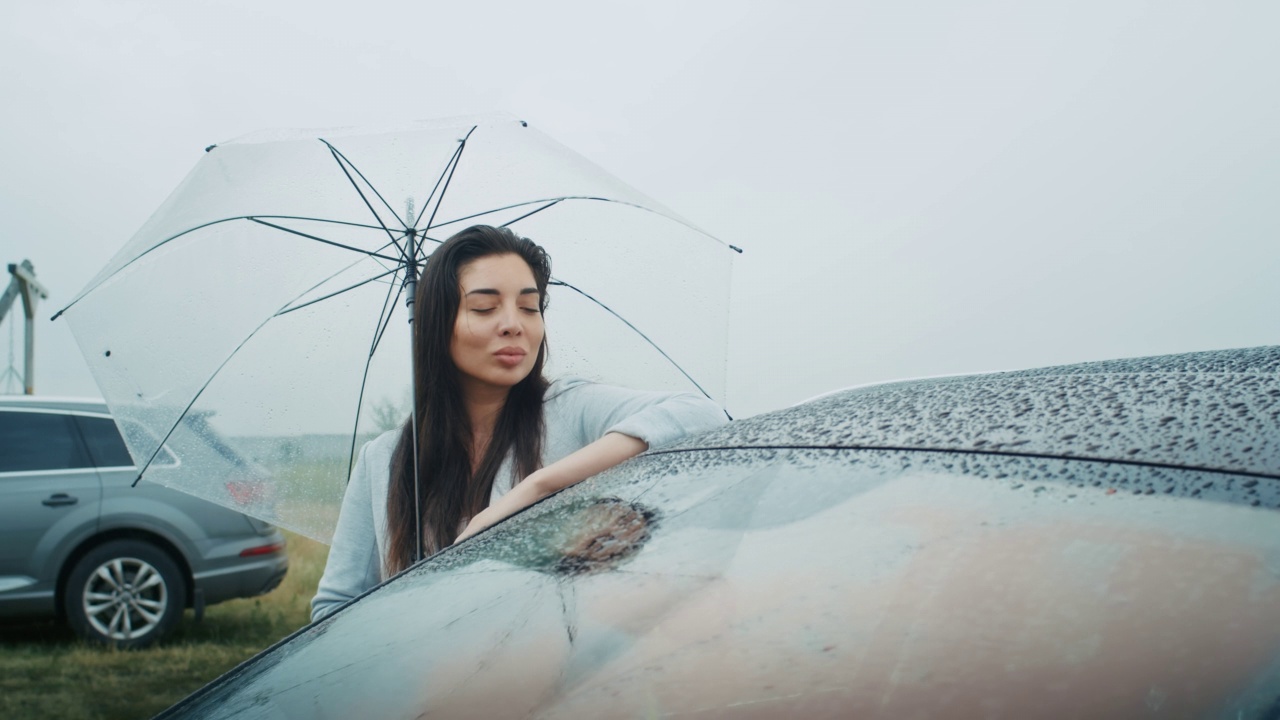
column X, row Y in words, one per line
column 448, row 493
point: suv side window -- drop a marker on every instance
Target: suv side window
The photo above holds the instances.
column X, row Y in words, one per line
column 32, row 441
column 104, row 441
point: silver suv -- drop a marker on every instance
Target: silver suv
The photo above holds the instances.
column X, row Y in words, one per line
column 118, row 563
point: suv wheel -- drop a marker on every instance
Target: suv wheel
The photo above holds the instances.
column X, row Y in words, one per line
column 126, row 593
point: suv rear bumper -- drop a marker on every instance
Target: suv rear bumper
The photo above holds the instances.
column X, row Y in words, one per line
column 228, row 575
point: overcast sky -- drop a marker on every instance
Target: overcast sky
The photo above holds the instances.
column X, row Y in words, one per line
column 920, row 187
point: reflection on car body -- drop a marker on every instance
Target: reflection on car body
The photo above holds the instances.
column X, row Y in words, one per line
column 1098, row 540
column 119, row 563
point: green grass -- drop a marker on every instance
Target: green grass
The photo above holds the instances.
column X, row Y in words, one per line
column 45, row 672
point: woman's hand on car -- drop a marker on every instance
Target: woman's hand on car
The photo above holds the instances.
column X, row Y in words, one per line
column 600, row 455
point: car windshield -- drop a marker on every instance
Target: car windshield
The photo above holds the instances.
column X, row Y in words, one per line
column 836, row 574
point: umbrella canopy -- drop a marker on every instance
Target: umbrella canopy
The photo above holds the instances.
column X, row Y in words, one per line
column 265, row 299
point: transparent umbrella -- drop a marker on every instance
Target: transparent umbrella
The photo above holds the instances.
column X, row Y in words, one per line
column 261, row 310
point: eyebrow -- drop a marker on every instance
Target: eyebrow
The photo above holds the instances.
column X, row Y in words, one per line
column 491, row 291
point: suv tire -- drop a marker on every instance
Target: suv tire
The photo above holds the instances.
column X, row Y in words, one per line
column 126, row 593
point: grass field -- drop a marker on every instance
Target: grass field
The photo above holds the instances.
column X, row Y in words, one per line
column 45, row 672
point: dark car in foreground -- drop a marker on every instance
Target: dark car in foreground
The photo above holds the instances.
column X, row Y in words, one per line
column 119, row 563
column 1098, row 540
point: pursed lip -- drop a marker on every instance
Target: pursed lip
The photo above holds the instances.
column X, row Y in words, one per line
column 510, row 355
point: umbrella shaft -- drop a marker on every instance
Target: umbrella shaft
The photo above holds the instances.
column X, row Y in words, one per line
column 410, row 272
column 411, row 291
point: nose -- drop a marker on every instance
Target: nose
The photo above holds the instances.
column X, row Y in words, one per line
column 509, row 322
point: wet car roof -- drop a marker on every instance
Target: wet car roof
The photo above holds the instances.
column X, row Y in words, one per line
column 1213, row 410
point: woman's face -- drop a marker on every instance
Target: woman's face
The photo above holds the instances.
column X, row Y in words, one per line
column 499, row 329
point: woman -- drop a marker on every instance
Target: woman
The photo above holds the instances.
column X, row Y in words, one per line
column 492, row 435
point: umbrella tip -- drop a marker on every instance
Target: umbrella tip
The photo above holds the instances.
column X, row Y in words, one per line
column 211, row 147
column 524, row 124
column 736, row 249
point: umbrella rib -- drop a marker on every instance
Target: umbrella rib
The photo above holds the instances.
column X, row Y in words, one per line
column 383, row 321
column 595, row 198
column 551, row 204
column 348, row 162
column 201, row 226
column 453, row 161
column 453, row 166
column 637, row 331
column 422, row 257
column 322, row 240
column 194, row 398
column 342, row 165
column 321, row 220
column 287, row 310
column 550, row 200
column 214, row 374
